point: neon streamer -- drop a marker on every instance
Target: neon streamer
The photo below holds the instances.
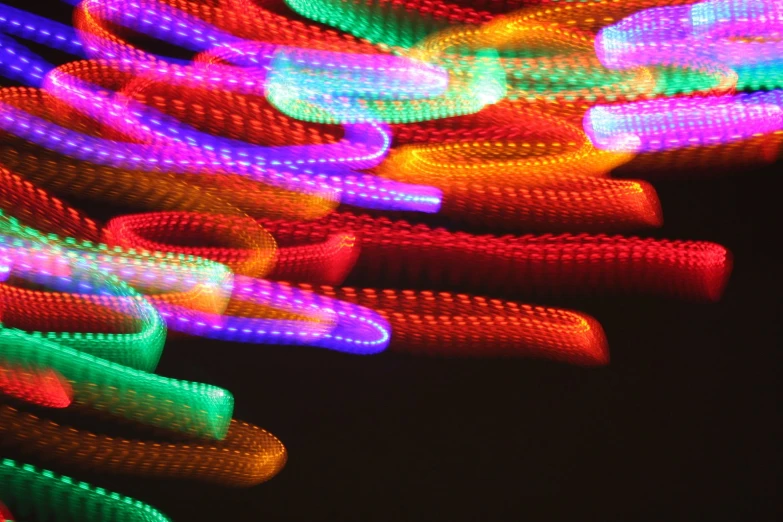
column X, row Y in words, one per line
column 357, row 329
column 653, row 33
column 363, row 146
column 193, row 408
column 667, row 124
column 303, row 91
column 542, row 63
column 452, row 324
column 329, row 261
column 94, row 271
column 97, row 381
column 192, row 159
column 550, row 179
column 41, row 494
column 284, row 317
column 245, row 20
column 548, row 265
column 140, row 347
column 741, row 34
column 355, row 190
column 383, row 23
column 19, row 63
column 38, row 209
column 246, row 457
column 258, row 455
column 551, row 150
column 157, row 189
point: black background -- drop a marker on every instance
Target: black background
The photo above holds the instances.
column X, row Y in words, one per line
column 681, row 425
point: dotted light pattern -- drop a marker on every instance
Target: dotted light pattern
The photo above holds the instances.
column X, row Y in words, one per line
column 742, row 34
column 671, row 75
column 483, row 263
column 141, row 332
column 356, row 188
column 272, row 315
column 102, row 299
column 168, row 20
column 40, row 210
column 592, row 204
column 251, row 118
column 546, row 50
column 530, row 264
column 340, row 327
column 389, row 24
column 65, row 174
column 247, row 455
column 122, row 387
column 194, row 159
column 160, row 272
column 593, row 15
column 542, row 63
column 192, row 228
column 43, row 495
column 455, row 324
column 551, row 150
column 716, row 30
column 19, row 63
column 192, row 408
column 706, row 161
column 404, row 23
column 363, row 145
column 345, row 327
column 672, row 123
column 702, row 29
column 43, row 387
column 547, row 177
column 242, row 152
column 513, row 330
column 329, row 261
column 303, row 90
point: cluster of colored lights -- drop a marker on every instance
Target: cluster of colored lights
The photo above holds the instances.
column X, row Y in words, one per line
column 283, row 181
column 744, row 35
